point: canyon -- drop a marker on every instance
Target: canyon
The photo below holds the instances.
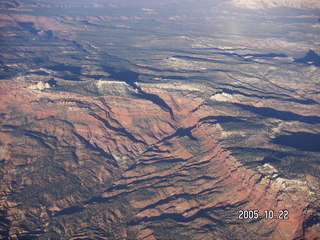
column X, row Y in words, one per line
column 110, row 130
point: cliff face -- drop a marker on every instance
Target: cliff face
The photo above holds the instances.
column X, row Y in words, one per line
column 116, row 165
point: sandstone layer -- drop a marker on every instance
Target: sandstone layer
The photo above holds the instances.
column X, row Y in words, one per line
column 91, row 166
column 129, row 120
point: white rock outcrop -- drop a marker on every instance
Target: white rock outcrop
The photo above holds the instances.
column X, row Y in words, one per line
column 40, row 86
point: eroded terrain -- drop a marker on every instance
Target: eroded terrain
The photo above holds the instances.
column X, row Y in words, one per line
column 116, row 126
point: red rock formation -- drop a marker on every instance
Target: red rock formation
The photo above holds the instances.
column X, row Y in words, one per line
column 122, row 167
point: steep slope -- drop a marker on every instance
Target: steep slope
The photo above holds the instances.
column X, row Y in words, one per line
column 76, row 166
column 159, row 120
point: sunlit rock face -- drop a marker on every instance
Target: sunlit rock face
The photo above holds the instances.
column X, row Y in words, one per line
column 124, row 120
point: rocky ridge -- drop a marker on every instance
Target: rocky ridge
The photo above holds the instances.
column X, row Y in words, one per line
column 94, row 166
column 160, row 136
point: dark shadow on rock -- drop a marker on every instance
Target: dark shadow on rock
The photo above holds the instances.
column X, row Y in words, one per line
column 69, row 211
column 303, row 141
column 52, row 82
column 127, row 76
column 95, row 77
column 62, row 67
column 40, row 73
column 268, row 55
column 131, row 77
column 97, row 200
column 312, row 57
column 29, row 26
column 283, row 115
column 222, row 119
